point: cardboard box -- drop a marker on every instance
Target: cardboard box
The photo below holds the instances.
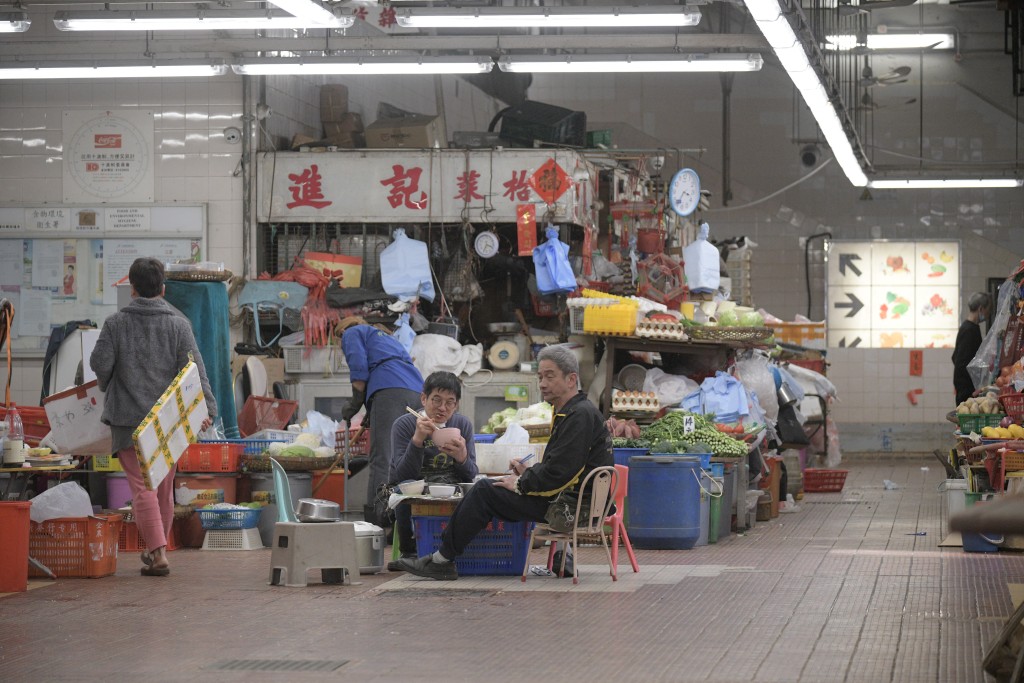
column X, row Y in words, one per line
column 333, row 102
column 416, row 132
column 346, row 132
column 74, row 416
column 298, row 140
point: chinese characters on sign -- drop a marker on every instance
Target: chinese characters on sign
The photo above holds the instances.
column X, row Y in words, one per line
column 550, row 182
column 307, row 190
column 404, row 184
column 526, row 219
column 109, row 155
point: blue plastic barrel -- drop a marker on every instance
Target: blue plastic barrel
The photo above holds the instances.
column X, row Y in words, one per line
column 664, row 501
column 622, row 455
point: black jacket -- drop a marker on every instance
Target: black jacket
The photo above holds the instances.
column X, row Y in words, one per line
column 579, row 442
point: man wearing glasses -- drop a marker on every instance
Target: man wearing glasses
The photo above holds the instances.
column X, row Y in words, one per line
column 414, row 455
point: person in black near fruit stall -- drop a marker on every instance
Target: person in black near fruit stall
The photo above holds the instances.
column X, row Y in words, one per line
column 968, row 341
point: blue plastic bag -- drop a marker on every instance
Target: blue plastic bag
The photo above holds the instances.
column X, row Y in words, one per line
column 405, row 268
column 551, row 261
column 722, row 395
column 404, row 333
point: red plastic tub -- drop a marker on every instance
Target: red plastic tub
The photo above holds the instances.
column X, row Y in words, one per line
column 14, row 526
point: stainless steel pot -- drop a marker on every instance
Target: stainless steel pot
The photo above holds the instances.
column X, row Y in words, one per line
column 317, row 510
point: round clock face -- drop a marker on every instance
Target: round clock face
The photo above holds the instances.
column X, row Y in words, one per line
column 486, row 244
column 684, row 192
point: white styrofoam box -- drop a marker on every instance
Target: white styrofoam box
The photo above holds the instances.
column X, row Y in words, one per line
column 326, row 360
column 492, row 458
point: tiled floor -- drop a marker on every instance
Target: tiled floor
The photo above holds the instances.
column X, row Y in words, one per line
column 844, row 590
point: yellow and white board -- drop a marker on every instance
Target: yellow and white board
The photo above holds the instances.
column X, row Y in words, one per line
column 171, row 425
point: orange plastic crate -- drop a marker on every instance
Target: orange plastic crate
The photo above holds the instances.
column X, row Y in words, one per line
column 824, row 481
column 130, row 540
column 803, row 334
column 76, row 547
column 1013, row 404
column 211, row 457
column 356, row 447
column 260, row 412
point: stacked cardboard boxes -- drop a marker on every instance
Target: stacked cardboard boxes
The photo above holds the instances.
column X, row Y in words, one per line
column 342, row 128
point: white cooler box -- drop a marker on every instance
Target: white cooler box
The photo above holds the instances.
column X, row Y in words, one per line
column 370, row 545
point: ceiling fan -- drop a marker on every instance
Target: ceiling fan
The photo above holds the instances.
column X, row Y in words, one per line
column 897, row 75
column 867, row 103
column 846, row 9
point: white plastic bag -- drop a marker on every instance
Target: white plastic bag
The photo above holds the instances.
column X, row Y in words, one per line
column 405, row 268
column 701, row 263
column 757, row 377
column 514, row 434
column 64, row 500
column 436, row 352
column 670, row 388
column 323, row 426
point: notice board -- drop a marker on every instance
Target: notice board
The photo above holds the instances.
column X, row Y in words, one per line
column 893, row 294
column 60, row 263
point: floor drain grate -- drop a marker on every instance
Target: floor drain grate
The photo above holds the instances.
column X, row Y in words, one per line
column 278, row 665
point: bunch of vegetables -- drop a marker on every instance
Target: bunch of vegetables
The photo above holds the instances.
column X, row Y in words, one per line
column 669, row 432
column 536, row 414
column 732, row 319
column 306, row 445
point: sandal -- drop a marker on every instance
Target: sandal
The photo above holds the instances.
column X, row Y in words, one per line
column 147, row 558
column 156, row 571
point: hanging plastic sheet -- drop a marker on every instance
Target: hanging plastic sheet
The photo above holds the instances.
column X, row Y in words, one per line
column 405, row 268
column 701, row 263
column 551, row 261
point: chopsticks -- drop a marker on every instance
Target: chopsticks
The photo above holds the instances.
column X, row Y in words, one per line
column 413, row 412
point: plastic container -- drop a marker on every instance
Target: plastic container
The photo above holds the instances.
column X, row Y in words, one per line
column 955, row 499
column 975, row 542
column 705, row 510
column 14, row 531
column 207, row 488
column 14, row 443
column 976, row 422
column 300, row 485
column 211, row 457
column 664, row 502
column 714, row 523
column 824, row 481
column 484, row 438
column 229, row 519
column 119, row 493
column 106, row 463
column 76, row 547
column 334, row 488
column 622, row 455
column 499, row 550
column 130, row 540
column 717, row 469
column 728, row 503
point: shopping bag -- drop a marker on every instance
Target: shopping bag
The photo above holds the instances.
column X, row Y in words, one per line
column 75, row 426
column 701, row 263
column 405, row 268
column 551, row 262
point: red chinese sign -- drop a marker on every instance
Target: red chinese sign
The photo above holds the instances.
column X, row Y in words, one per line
column 517, row 187
column 307, row 190
column 404, row 184
column 468, row 184
column 526, row 219
column 588, row 250
column 916, row 363
column 550, row 182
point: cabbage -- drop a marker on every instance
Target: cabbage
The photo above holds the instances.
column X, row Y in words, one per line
column 751, row 319
column 729, row 319
column 308, row 440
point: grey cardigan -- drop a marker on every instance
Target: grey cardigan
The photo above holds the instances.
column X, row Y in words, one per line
column 141, row 349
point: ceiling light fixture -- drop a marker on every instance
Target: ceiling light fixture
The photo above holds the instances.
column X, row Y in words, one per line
column 166, row 70
column 893, row 41
column 946, row 183
column 14, row 22
column 355, row 67
column 632, row 63
column 777, row 30
column 306, row 9
column 184, row 20
column 541, row 17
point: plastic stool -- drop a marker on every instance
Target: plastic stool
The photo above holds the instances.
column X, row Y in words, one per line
column 327, row 546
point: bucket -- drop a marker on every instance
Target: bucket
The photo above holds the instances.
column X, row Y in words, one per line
column 664, row 502
column 118, row 491
column 300, row 485
column 717, row 469
column 714, row 521
column 955, row 498
column 14, row 525
column 622, row 455
column 728, row 504
column 705, row 510
column 975, row 542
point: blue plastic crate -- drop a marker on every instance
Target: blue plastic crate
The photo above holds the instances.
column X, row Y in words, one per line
column 229, row 519
column 252, row 446
column 484, row 438
column 703, row 458
column 498, row 550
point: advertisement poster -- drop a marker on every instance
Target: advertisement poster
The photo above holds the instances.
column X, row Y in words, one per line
column 108, row 156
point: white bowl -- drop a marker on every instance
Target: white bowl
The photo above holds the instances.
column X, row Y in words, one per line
column 412, row 488
column 442, row 437
column 442, row 490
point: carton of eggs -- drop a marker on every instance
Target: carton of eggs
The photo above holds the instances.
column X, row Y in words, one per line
column 656, row 329
column 643, row 401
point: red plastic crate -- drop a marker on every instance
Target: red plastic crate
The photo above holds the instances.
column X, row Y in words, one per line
column 824, row 481
column 260, row 412
column 33, row 419
column 1013, row 404
column 76, row 547
column 356, row 447
column 211, row 457
column 130, row 540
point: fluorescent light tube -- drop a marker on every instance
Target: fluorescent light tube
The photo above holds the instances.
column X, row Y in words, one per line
column 632, row 64
column 554, row 17
column 188, row 70
column 307, row 9
column 894, row 41
column 436, row 65
column 185, row 20
column 14, row 22
column 946, row 183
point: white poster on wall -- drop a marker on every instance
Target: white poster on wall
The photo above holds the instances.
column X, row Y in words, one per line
column 108, row 155
column 118, row 256
column 12, row 263
column 893, row 295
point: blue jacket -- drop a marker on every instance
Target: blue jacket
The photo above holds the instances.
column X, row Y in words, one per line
column 378, row 359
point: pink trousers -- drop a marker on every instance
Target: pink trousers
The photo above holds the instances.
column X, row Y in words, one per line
column 154, row 510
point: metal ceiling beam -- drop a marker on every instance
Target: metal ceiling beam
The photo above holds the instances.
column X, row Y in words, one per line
column 216, row 45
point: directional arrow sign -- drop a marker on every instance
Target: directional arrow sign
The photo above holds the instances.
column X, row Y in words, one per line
column 847, row 261
column 854, row 305
column 851, row 345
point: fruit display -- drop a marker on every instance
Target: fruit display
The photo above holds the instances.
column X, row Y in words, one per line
column 1013, row 431
column 670, row 432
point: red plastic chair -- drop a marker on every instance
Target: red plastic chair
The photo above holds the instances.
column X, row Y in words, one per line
column 615, row 520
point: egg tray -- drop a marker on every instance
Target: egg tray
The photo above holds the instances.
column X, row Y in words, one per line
column 639, row 401
column 661, row 330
